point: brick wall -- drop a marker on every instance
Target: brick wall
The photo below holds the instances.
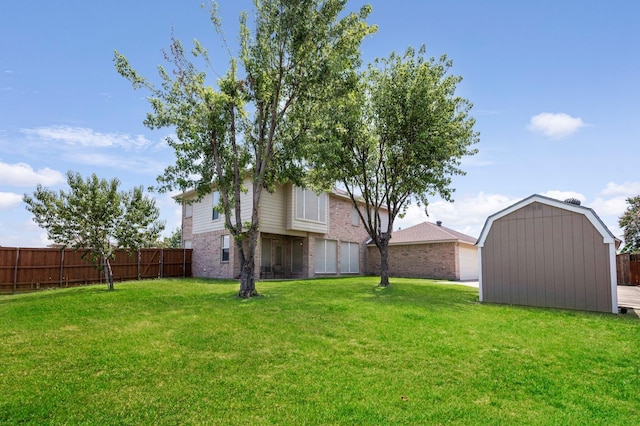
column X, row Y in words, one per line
column 438, row 261
column 207, row 256
column 342, row 229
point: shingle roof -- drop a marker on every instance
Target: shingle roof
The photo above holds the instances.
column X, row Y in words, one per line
column 427, row 232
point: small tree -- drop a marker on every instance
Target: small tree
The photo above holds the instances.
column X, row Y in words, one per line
column 253, row 124
column 630, row 223
column 172, row 241
column 93, row 215
column 398, row 138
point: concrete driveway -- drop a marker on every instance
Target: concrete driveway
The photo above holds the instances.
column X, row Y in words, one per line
column 629, row 296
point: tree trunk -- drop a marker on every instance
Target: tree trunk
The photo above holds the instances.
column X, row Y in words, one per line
column 247, row 280
column 384, row 262
column 108, row 273
column 247, row 251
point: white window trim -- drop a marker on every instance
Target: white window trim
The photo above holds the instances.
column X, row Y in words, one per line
column 225, row 244
column 349, row 245
column 322, row 205
column 334, row 252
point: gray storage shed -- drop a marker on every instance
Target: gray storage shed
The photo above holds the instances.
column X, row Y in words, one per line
column 545, row 252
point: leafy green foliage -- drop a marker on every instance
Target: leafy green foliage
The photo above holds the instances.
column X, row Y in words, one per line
column 95, row 216
column 331, row 351
column 250, row 130
column 397, row 138
column 630, row 222
column 175, row 239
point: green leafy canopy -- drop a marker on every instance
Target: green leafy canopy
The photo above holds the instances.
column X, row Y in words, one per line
column 96, row 216
column 630, row 223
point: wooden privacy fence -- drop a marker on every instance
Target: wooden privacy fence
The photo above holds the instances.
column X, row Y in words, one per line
column 628, row 269
column 29, row 269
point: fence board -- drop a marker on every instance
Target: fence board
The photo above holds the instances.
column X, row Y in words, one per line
column 150, row 263
column 29, row 269
column 628, row 268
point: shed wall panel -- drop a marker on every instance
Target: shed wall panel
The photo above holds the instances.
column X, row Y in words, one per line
column 549, row 282
column 543, row 255
column 558, row 263
column 578, row 265
column 513, row 260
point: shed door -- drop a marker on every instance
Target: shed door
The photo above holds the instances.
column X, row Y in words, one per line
column 468, row 263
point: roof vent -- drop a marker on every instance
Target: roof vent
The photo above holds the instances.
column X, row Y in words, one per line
column 572, row 201
column 439, row 223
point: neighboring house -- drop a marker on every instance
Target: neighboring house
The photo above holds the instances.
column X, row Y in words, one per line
column 545, row 252
column 302, row 235
column 428, row 250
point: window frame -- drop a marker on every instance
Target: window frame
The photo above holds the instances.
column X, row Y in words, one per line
column 334, row 256
column 355, row 216
column 351, row 249
column 303, row 205
column 225, row 249
column 215, row 200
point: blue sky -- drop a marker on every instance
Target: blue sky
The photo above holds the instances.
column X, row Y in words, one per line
column 554, row 83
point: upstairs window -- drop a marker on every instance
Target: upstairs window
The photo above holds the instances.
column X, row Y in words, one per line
column 311, row 206
column 355, row 216
column 215, row 196
column 188, row 210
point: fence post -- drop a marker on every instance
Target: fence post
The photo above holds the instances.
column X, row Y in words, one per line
column 139, row 257
column 15, row 271
column 184, row 263
column 161, row 263
column 61, row 266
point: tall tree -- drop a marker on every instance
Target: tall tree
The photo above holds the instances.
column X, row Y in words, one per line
column 95, row 216
column 252, row 126
column 398, row 139
column 630, row 223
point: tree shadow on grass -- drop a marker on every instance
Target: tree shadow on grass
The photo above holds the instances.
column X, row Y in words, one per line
column 426, row 295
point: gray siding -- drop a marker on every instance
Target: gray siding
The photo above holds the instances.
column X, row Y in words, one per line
column 542, row 255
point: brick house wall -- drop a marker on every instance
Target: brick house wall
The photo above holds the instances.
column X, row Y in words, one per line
column 434, row 260
column 207, row 256
column 341, row 228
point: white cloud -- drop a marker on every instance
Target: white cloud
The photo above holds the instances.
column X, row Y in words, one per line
column 609, row 206
column 22, row 174
column 88, row 138
column 9, row 199
column 135, row 164
column 555, row 125
column 627, row 189
column 466, row 215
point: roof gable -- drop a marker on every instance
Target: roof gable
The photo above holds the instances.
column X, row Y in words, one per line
column 591, row 215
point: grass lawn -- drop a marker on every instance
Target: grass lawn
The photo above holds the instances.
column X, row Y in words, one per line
column 333, row 351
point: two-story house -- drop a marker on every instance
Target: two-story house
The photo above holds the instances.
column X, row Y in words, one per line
column 302, row 235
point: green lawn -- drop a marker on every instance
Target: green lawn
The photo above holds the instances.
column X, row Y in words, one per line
column 334, row 351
